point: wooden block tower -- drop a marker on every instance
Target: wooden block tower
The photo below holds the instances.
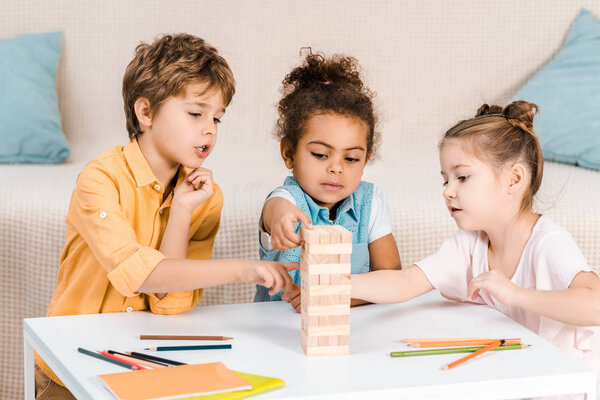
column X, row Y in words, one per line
column 325, row 273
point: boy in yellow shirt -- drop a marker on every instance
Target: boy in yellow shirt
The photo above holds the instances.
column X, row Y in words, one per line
column 143, row 217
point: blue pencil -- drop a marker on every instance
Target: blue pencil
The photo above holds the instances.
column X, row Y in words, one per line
column 198, row 347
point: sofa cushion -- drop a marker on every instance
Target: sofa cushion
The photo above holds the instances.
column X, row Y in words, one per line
column 31, row 128
column 567, row 90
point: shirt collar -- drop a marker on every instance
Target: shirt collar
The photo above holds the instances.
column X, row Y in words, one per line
column 347, row 207
column 142, row 173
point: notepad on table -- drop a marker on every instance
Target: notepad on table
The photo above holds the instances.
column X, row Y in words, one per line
column 178, row 382
column 260, row 384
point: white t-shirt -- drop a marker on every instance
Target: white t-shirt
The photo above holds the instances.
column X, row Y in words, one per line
column 550, row 261
column 380, row 222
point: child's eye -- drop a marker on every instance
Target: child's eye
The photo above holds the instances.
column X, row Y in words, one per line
column 352, row 160
column 463, row 178
column 195, row 115
column 445, row 184
column 217, row 120
column 319, row 155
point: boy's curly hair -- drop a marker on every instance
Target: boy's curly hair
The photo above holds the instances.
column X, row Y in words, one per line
column 324, row 85
column 165, row 67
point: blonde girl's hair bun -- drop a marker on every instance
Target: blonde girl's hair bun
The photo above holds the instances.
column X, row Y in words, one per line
column 520, row 115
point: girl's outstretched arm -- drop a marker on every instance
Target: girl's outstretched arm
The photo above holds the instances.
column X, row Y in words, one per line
column 577, row 305
column 390, row 286
column 383, row 254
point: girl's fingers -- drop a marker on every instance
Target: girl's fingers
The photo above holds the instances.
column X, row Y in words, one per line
column 277, row 283
column 302, row 217
column 296, row 302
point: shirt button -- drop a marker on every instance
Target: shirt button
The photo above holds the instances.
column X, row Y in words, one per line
column 129, row 309
column 102, row 215
column 161, row 211
column 157, row 187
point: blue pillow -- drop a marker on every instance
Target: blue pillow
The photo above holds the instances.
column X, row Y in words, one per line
column 30, row 128
column 567, row 90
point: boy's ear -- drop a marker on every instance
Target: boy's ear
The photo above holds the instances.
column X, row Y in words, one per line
column 517, row 178
column 287, row 153
column 143, row 112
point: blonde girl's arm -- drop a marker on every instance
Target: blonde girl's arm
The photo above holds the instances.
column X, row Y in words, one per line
column 577, row 305
column 390, row 286
column 383, row 255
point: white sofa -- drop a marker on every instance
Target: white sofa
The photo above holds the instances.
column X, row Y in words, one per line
column 430, row 62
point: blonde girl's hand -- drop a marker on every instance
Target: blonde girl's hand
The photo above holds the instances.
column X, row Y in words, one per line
column 270, row 274
column 280, row 218
column 194, row 190
column 496, row 283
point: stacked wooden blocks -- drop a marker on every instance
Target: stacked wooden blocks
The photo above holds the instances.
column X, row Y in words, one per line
column 325, row 273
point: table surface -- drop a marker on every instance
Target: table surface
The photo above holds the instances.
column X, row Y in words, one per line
column 267, row 342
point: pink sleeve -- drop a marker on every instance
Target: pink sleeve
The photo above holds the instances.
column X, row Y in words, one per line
column 450, row 268
column 558, row 260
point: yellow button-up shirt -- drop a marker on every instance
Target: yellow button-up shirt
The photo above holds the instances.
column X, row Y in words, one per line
column 115, row 225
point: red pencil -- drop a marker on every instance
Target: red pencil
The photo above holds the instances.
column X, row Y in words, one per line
column 492, row 346
column 114, row 357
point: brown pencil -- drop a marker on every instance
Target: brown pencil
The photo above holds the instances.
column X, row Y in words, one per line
column 183, row 337
column 492, row 346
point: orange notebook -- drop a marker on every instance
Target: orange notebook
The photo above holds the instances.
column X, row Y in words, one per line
column 173, row 382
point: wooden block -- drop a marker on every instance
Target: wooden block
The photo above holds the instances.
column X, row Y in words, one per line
column 328, row 330
column 345, row 234
column 338, row 248
column 327, row 310
column 326, row 290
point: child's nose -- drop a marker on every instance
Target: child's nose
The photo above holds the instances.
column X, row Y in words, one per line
column 335, row 166
column 449, row 192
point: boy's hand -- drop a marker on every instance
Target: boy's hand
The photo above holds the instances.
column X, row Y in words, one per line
column 270, row 274
column 293, row 296
column 194, row 190
column 279, row 219
column 497, row 284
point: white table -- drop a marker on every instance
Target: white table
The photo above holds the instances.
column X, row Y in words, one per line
column 267, row 342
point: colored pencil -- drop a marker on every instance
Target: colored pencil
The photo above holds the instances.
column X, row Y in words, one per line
column 477, row 342
column 485, row 349
column 199, row 347
column 134, row 360
column 119, row 358
column 108, row 359
column 453, row 350
column 428, row 340
column 148, row 357
column 183, row 337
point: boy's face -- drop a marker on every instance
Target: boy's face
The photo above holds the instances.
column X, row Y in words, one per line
column 330, row 157
column 474, row 192
column 184, row 129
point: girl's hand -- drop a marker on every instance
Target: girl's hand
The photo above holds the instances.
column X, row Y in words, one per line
column 279, row 219
column 293, row 297
column 270, row 274
column 497, row 284
column 194, row 190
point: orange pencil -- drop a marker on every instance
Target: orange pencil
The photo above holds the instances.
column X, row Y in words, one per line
column 479, row 342
column 492, row 346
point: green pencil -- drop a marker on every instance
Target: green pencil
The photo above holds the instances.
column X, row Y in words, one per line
column 452, row 350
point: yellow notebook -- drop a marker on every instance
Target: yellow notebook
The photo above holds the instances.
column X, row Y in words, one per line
column 259, row 384
column 182, row 381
